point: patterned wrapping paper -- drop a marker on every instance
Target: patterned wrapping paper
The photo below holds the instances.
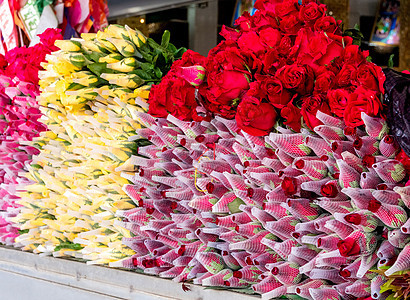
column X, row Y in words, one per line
column 19, row 124
column 218, row 207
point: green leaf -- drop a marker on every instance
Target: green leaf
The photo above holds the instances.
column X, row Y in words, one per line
column 99, row 68
column 390, row 63
column 165, row 39
column 23, row 231
column 357, row 27
column 179, row 52
column 68, row 245
column 234, row 205
column 355, row 34
column 369, row 58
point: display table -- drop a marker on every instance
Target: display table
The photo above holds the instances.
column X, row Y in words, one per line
column 25, row 275
column 202, row 17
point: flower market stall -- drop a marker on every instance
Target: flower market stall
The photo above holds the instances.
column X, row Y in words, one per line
column 276, row 166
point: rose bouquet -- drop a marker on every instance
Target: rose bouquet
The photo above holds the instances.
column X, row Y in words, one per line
column 91, row 91
column 19, row 123
column 284, row 63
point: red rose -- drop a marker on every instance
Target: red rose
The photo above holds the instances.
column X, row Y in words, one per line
column 374, row 205
column 361, row 100
column 338, row 101
column 370, row 77
column 173, row 96
column 227, row 86
column 310, row 12
column 286, row 8
column 225, row 56
column 254, row 117
column 244, row 22
column 251, row 41
column 345, row 76
column 348, row 247
column 367, row 160
column 324, row 82
column 188, row 59
column 352, row 55
column 329, row 190
column 270, row 37
column 310, row 106
column 264, row 19
column 285, row 46
column 355, row 219
column 328, row 24
column 290, row 24
column 266, row 5
column 289, row 186
column 230, row 33
column 298, row 78
column 3, row 61
column 292, row 116
column 270, row 88
column 316, row 48
column 273, row 61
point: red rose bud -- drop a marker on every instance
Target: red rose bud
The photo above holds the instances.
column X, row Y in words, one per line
column 289, row 186
column 246, row 164
column 181, row 250
column 142, row 172
column 349, row 131
column 324, row 158
column 374, row 205
column 329, row 190
column 140, row 203
column 183, row 142
column 270, row 152
column 237, row 274
column 368, row 161
column 348, row 247
column 134, row 262
column 382, row 187
column 355, row 219
column 210, row 187
column 296, row 235
column 200, row 138
column 150, row 210
column 389, row 139
column 195, row 75
column 336, row 175
column 163, row 194
column 345, row 273
column 227, row 283
column 300, row 164
column 249, row 192
column 358, row 143
column 174, row 205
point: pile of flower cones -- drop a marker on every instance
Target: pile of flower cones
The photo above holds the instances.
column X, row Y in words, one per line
column 19, row 124
column 310, row 213
column 90, row 98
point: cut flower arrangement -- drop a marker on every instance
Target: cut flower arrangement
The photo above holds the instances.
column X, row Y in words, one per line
column 271, row 168
column 19, row 123
column 91, row 90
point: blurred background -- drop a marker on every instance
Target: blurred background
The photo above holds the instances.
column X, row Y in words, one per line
column 385, row 24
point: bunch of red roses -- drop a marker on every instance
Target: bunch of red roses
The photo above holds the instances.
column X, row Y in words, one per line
column 285, row 62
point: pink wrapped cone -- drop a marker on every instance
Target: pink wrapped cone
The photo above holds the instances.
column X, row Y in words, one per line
column 330, row 133
column 375, row 127
column 390, row 171
column 292, row 144
column 402, row 263
column 389, row 147
column 359, row 288
column 287, row 273
column 348, row 176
